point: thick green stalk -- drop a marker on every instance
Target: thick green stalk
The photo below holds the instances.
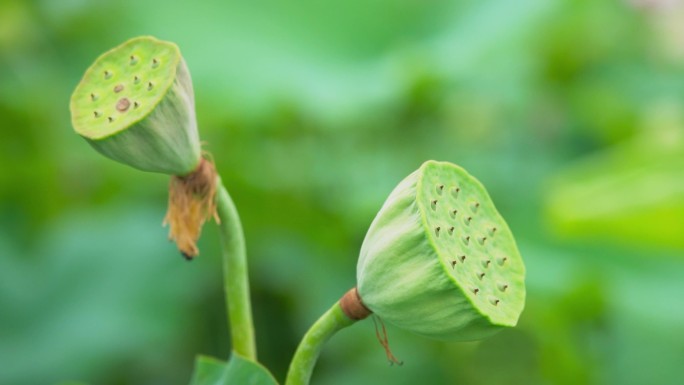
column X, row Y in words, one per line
column 236, row 280
column 310, row 348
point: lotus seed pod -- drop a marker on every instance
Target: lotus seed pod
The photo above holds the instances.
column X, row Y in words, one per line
column 439, row 260
column 135, row 104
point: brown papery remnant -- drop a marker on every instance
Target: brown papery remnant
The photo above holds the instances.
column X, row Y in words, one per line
column 192, row 201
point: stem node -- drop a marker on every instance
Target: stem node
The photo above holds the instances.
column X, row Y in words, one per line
column 353, row 306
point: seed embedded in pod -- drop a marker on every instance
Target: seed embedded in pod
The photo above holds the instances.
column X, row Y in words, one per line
column 123, row 104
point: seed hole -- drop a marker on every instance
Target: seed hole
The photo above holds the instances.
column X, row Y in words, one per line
column 107, row 74
column 481, row 275
column 155, row 63
column 134, row 60
column 482, row 240
column 453, row 213
column 494, row 301
column 433, row 204
column 455, row 192
column 97, row 114
column 467, row 220
column 149, row 86
column 503, row 287
column 136, row 79
column 492, row 231
column 453, row 263
column 93, row 97
column 451, row 230
column 475, row 291
column 463, row 258
column 437, row 230
column 486, row 263
column 466, row 240
column 503, row 260
column 136, row 104
column 110, row 119
column 440, row 189
column 118, row 88
column 476, row 206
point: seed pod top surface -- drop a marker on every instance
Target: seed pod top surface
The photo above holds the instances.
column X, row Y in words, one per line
column 461, row 220
column 439, row 260
column 123, row 86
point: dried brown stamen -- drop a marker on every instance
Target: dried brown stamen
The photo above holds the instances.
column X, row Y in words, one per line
column 384, row 341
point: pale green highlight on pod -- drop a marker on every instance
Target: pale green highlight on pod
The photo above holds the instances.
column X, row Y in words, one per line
column 439, row 260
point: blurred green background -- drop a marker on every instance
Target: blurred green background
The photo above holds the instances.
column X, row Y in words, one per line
column 570, row 112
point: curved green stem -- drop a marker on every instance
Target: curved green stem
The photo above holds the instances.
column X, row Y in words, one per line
column 310, row 348
column 236, row 280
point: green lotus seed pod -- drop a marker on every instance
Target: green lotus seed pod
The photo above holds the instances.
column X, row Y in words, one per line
column 135, row 104
column 439, row 260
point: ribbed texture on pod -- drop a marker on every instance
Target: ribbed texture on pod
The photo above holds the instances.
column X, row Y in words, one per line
column 439, row 260
column 135, row 105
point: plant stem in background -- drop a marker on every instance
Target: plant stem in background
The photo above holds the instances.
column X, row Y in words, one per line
column 311, row 345
column 236, row 280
